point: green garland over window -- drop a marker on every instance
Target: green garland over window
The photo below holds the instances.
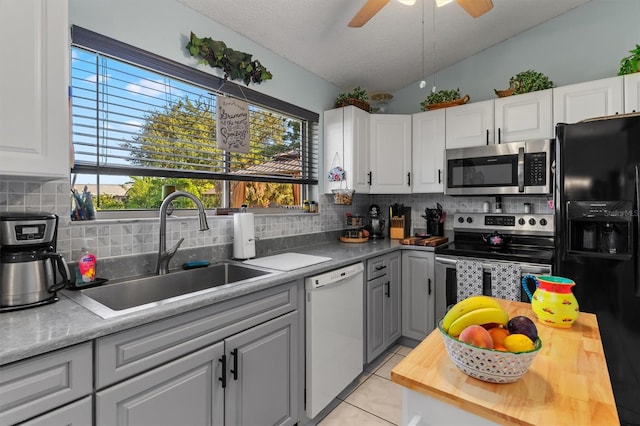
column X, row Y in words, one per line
column 235, row 64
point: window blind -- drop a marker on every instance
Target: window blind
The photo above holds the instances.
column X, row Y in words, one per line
column 137, row 114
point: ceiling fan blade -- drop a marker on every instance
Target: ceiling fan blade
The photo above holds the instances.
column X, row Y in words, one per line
column 476, row 8
column 370, row 8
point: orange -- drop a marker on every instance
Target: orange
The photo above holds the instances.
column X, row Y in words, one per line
column 500, row 348
column 498, row 334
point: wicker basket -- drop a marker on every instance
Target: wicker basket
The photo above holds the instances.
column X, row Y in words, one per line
column 455, row 102
column 504, row 93
column 356, row 103
column 488, row 365
column 343, row 196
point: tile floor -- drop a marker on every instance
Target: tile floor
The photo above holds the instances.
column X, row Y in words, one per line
column 372, row 399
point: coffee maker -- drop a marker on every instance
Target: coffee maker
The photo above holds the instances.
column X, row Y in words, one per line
column 28, row 260
column 376, row 222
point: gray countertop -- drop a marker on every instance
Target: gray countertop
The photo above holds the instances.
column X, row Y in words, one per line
column 34, row 331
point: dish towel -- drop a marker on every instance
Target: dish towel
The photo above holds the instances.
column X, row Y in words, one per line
column 505, row 281
column 468, row 278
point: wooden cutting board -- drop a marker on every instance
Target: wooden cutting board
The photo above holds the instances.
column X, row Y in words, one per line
column 422, row 241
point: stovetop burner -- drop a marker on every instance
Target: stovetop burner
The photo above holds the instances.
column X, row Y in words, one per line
column 530, row 235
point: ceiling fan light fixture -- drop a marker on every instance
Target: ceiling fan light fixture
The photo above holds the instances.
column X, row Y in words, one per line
column 407, row 2
column 441, row 3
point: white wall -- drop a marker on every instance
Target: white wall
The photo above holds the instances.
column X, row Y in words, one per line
column 583, row 44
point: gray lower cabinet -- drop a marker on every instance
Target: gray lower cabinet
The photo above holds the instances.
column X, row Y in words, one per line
column 383, row 304
column 46, row 382
column 78, row 413
column 418, row 293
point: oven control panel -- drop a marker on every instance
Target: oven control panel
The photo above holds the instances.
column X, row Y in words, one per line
column 529, row 223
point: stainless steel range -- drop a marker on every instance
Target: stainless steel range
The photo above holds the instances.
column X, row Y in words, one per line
column 525, row 239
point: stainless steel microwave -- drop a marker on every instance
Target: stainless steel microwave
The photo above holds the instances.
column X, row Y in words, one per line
column 501, row 169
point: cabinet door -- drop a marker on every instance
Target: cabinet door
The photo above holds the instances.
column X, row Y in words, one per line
column 470, row 125
column 34, row 111
column 393, row 302
column 376, row 296
column 346, row 144
column 428, row 151
column 390, row 154
column 632, row 92
column 262, row 376
column 523, row 117
column 418, row 297
column 597, row 98
column 187, row 391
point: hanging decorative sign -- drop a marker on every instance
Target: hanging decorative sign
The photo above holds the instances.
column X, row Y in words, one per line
column 232, row 124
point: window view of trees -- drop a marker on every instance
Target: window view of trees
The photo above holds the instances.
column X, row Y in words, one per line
column 163, row 132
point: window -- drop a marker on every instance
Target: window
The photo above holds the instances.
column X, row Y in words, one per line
column 141, row 122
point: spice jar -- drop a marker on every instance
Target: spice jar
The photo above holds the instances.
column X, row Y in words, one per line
column 313, row 207
column 305, row 206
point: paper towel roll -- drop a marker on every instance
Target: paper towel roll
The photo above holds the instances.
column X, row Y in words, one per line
column 244, row 242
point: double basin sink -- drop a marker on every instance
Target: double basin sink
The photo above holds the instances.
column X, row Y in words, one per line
column 126, row 296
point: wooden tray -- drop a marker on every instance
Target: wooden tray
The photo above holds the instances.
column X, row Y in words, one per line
column 354, row 240
column 455, row 102
column 421, row 241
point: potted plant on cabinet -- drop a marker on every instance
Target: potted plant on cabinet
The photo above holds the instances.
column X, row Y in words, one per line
column 630, row 64
column 443, row 99
column 358, row 98
column 529, row 81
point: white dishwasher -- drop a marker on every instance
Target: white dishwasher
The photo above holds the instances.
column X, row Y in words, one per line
column 334, row 333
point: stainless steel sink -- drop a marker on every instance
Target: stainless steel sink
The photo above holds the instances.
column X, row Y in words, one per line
column 123, row 297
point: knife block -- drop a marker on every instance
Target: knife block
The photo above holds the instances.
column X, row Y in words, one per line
column 396, row 228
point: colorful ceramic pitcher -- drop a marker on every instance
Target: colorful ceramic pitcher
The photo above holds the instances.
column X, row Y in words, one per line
column 553, row 302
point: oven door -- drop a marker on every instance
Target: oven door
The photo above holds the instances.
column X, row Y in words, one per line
column 446, row 283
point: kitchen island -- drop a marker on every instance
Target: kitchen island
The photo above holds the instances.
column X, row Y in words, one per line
column 567, row 383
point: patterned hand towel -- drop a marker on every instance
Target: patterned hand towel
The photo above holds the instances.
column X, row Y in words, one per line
column 468, row 278
column 505, row 281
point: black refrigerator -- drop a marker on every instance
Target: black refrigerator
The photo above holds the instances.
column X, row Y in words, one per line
column 597, row 191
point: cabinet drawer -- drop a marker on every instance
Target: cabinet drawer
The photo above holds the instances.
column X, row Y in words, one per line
column 377, row 267
column 134, row 351
column 78, row 413
column 39, row 384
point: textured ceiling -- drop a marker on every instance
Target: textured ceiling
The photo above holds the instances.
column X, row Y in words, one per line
column 386, row 54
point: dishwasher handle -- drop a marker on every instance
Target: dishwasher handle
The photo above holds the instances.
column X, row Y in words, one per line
column 333, row 277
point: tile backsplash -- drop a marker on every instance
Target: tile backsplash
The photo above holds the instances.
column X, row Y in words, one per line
column 126, row 237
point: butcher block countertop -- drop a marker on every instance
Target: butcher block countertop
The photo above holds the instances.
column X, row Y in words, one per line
column 567, row 383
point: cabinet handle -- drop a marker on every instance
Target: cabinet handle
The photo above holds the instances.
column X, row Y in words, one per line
column 487, row 136
column 223, row 379
column 439, row 175
column 429, row 285
column 387, row 292
column 409, row 179
column 234, row 354
column 381, row 267
column 369, row 182
column 499, row 135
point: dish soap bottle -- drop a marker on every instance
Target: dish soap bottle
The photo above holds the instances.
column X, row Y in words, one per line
column 86, row 271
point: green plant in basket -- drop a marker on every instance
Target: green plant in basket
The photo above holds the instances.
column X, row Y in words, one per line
column 630, row 64
column 439, row 97
column 529, row 81
column 357, row 93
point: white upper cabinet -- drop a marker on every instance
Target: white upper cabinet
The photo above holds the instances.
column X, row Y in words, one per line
column 632, row 92
column 346, row 144
column 428, row 151
column 34, row 81
column 390, row 153
column 470, row 124
column 577, row 102
column 524, row 117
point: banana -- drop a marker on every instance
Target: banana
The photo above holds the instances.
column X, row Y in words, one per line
column 467, row 305
column 478, row 317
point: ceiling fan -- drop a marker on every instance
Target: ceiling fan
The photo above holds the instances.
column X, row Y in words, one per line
column 474, row 8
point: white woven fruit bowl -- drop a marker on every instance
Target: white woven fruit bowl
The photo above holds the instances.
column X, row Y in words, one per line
column 488, row 365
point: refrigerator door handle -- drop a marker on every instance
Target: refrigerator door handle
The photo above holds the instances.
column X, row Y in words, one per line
column 636, row 182
column 521, row 169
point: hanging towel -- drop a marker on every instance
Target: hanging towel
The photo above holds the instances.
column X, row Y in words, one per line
column 505, row 281
column 468, row 278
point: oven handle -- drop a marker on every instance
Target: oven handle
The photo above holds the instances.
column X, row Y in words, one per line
column 525, row 268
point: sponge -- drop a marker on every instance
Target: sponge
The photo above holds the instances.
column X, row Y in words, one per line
column 195, row 264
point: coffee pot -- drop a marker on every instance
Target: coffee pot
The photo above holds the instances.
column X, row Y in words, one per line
column 376, row 222
column 31, row 272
